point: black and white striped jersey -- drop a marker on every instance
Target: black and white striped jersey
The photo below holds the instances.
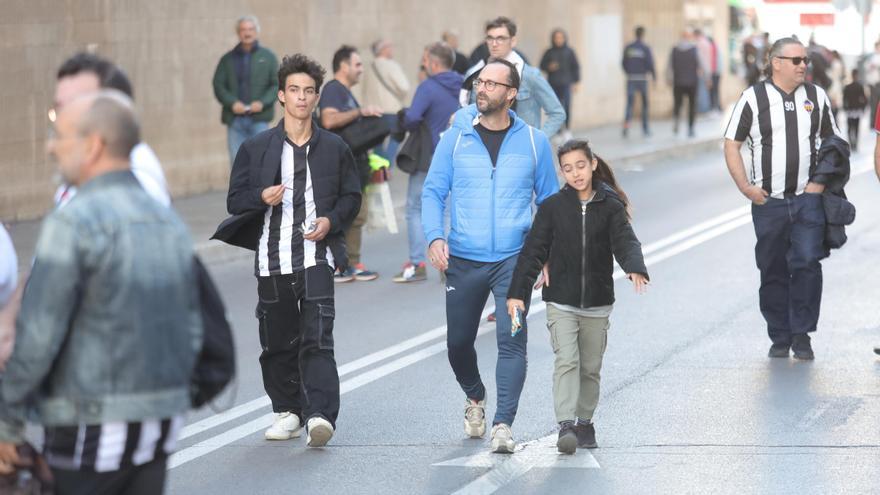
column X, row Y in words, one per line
column 282, row 249
column 111, row 446
column 783, row 132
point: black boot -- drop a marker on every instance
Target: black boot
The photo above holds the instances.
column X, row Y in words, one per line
column 567, row 442
column 778, row 351
column 586, row 435
column 800, row 346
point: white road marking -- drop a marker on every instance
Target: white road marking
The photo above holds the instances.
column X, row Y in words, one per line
column 540, row 453
column 692, row 237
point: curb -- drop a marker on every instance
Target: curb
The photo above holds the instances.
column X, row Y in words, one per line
column 686, row 150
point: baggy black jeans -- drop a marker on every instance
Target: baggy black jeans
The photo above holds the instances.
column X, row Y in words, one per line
column 791, row 233
column 296, row 314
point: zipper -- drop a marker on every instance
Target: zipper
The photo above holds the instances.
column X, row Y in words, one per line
column 583, row 255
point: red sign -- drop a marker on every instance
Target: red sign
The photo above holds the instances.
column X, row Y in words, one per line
column 817, row 19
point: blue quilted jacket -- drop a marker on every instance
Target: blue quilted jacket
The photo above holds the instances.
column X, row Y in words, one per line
column 490, row 207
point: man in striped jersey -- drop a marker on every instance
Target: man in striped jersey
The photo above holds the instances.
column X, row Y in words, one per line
column 784, row 120
column 294, row 190
column 109, row 326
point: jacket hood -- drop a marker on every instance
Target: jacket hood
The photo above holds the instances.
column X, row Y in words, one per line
column 685, row 45
column 450, row 81
column 465, row 119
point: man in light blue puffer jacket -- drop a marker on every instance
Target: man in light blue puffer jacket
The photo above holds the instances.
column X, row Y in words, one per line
column 489, row 164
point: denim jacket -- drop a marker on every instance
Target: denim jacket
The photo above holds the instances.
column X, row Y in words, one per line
column 534, row 95
column 109, row 326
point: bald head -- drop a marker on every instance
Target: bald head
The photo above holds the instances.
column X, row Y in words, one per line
column 110, row 114
column 94, row 134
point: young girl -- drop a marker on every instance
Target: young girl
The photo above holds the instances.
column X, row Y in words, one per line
column 576, row 231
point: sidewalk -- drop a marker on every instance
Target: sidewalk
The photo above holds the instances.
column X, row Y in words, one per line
column 203, row 212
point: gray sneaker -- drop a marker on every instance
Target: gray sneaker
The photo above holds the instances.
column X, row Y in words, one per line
column 502, row 439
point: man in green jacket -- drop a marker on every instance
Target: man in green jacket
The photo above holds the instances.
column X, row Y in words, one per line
column 244, row 83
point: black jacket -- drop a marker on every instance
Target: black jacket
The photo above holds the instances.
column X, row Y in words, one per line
column 416, row 151
column 257, row 165
column 579, row 243
column 832, row 170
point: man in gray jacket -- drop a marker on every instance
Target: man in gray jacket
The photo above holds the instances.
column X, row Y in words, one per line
column 109, row 327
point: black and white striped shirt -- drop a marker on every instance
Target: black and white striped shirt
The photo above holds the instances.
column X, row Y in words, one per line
column 784, row 132
column 282, row 249
column 111, row 446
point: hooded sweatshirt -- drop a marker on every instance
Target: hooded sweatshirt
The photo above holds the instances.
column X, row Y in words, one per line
column 684, row 62
column 563, row 61
column 435, row 101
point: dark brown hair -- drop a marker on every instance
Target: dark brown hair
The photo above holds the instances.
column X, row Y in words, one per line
column 603, row 171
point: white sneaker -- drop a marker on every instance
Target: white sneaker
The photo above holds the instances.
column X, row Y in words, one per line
column 502, row 439
column 320, row 431
column 475, row 418
column 285, row 426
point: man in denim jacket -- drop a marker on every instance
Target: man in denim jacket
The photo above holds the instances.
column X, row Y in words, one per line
column 535, row 93
column 109, row 327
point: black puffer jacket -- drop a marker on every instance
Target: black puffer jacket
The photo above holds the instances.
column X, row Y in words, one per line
column 579, row 243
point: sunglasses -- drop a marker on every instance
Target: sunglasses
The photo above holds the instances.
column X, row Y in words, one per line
column 797, row 60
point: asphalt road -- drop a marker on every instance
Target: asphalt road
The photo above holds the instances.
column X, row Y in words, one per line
column 690, row 402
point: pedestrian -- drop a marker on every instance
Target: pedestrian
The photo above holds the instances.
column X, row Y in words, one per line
column 855, row 100
column 784, row 119
column 386, row 87
column 244, row 84
column 86, row 73
column 638, row 63
column 9, row 266
column 293, row 192
column 583, row 226
column 877, row 171
column 434, row 102
column 338, row 109
column 461, row 64
column 837, row 77
column 872, row 79
column 491, row 213
column 113, row 281
column 715, row 71
column 563, row 72
column 9, row 297
column 536, row 95
column 685, row 72
column 706, row 55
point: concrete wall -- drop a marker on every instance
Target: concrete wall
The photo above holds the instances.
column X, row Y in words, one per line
column 170, row 49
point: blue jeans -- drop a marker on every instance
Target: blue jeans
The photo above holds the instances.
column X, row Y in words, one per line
column 417, row 243
column 240, row 129
column 633, row 87
column 468, row 284
column 790, row 245
column 564, row 94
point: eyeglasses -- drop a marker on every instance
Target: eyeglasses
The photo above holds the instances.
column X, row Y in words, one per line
column 489, row 85
column 796, row 60
column 494, row 40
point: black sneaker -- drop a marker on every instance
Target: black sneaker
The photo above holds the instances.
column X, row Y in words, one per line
column 586, row 435
column 877, row 350
column 568, row 439
column 778, row 351
column 800, row 346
